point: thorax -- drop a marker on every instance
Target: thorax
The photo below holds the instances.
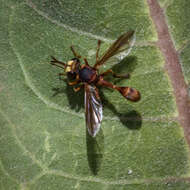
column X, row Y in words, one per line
column 87, row 74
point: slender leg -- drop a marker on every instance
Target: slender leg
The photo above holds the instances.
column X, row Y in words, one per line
column 86, row 62
column 78, row 88
column 107, row 72
column 98, row 49
column 73, row 82
column 75, row 53
column 126, row 76
column 61, row 74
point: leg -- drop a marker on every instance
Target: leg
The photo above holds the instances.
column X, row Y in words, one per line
column 75, row 53
column 98, row 49
column 73, row 82
column 86, row 62
column 126, row 76
column 78, row 88
column 61, row 74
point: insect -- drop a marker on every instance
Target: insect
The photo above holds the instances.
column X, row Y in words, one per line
column 88, row 77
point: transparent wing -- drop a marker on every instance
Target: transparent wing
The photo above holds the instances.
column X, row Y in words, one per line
column 119, row 49
column 93, row 109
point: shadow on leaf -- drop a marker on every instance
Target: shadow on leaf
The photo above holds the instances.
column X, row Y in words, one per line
column 95, row 151
column 131, row 120
column 75, row 99
column 126, row 66
column 129, row 63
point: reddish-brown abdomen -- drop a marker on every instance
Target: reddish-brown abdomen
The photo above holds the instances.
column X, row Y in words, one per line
column 127, row 92
column 130, row 93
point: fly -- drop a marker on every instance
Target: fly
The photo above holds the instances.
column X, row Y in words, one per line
column 89, row 78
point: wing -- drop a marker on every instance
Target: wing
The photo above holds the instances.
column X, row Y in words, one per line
column 93, row 109
column 121, row 46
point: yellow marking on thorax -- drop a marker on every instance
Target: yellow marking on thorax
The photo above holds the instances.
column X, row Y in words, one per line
column 70, row 62
column 69, row 66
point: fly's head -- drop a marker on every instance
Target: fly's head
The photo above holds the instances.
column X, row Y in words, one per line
column 72, row 68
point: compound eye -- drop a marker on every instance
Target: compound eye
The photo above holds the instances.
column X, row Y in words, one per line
column 76, row 60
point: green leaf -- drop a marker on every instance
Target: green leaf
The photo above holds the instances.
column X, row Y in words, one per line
column 43, row 139
column 181, row 32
